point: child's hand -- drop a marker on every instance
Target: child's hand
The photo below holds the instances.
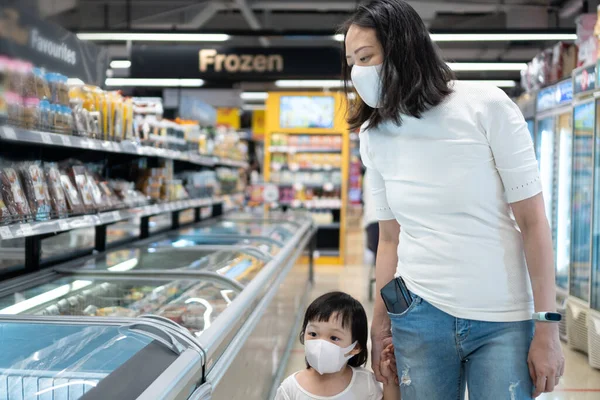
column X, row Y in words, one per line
column 388, row 364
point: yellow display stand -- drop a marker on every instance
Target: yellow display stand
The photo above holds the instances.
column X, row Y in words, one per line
column 325, row 256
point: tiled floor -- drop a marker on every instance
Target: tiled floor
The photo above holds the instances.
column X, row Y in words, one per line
column 580, row 382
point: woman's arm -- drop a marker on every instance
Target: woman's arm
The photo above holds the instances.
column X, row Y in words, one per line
column 385, row 268
column 546, row 361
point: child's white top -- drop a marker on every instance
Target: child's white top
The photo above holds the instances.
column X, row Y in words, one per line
column 363, row 386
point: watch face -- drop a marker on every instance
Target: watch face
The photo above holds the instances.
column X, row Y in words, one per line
column 554, row 317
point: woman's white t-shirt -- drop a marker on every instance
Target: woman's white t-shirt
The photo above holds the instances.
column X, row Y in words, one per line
column 363, row 386
column 448, row 179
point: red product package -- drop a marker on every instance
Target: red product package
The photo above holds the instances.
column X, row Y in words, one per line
column 36, row 190
column 58, row 199
column 13, row 194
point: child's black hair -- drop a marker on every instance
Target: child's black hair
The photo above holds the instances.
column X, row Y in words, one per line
column 351, row 314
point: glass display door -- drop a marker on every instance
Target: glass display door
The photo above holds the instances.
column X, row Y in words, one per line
column 545, row 144
column 562, row 231
column 583, row 169
column 595, row 270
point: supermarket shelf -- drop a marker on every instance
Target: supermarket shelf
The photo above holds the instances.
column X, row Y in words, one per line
column 311, row 185
column 309, row 205
column 306, row 169
column 86, row 221
column 288, row 149
column 12, row 134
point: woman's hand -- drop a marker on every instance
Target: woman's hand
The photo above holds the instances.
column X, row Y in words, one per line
column 546, row 361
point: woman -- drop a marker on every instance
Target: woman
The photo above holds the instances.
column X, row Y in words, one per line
column 462, row 220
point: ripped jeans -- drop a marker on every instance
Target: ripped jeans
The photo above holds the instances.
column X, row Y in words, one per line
column 437, row 355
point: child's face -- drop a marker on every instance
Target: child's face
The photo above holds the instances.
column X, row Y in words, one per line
column 331, row 331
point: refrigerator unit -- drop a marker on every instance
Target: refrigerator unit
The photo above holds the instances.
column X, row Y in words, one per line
column 213, row 295
column 553, row 145
column 85, row 358
column 582, row 208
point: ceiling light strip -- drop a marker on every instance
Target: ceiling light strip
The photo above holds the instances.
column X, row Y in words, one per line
column 494, row 37
column 152, row 37
column 143, row 82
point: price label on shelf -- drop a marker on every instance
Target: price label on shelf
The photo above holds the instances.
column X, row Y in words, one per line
column 92, row 144
column 328, row 187
column 9, row 133
column 66, row 141
column 5, row 233
column 296, row 204
column 327, row 167
column 46, row 138
column 26, row 229
column 294, row 167
column 116, row 215
column 298, row 186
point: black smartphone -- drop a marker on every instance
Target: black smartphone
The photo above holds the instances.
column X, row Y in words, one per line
column 396, row 296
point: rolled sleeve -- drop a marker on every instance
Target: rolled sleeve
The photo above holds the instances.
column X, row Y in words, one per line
column 512, row 147
column 375, row 182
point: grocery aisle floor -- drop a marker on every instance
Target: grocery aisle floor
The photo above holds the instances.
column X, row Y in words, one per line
column 580, row 382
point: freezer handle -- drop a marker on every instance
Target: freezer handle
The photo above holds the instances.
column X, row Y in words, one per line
column 161, row 336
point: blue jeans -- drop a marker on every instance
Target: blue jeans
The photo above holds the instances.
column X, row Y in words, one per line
column 437, row 355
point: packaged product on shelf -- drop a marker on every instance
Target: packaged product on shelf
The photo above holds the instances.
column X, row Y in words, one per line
column 73, row 198
column 41, row 84
column 55, row 190
column 31, row 112
column 114, row 200
column 127, row 193
column 46, row 116
column 79, row 176
column 14, row 108
column 5, row 216
column 586, row 39
column 13, row 194
column 36, row 190
column 3, row 88
column 102, row 203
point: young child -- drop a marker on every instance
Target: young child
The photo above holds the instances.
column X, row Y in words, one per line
column 334, row 334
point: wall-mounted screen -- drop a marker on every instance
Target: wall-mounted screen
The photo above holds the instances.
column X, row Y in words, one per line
column 315, row 112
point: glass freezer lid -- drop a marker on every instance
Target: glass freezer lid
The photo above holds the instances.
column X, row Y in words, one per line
column 181, row 241
column 192, row 303
column 61, row 361
column 235, row 264
column 280, row 231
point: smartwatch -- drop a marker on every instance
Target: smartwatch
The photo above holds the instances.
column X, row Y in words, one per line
column 546, row 317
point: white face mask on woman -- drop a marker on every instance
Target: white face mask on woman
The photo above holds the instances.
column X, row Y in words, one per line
column 325, row 357
column 367, row 82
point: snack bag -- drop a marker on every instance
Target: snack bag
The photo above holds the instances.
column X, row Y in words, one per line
column 55, row 190
column 72, row 195
column 36, row 190
column 13, row 194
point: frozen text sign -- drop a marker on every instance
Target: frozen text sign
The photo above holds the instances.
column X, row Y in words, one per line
column 233, row 63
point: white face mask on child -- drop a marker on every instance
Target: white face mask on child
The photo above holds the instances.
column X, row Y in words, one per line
column 325, row 357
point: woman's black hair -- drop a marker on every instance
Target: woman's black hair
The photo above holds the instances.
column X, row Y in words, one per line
column 414, row 76
column 352, row 315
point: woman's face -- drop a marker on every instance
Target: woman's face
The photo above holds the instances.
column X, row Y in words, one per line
column 362, row 47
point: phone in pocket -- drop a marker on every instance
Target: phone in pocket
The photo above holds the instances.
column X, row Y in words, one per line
column 396, row 296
